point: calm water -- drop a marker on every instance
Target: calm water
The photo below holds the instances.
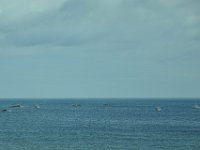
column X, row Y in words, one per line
column 124, row 125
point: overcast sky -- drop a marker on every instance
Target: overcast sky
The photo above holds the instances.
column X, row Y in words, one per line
column 99, row 48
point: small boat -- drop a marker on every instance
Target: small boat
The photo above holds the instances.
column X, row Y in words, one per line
column 76, row 105
column 158, row 109
column 37, row 106
column 196, row 106
column 17, row 105
column 106, row 105
column 5, row 110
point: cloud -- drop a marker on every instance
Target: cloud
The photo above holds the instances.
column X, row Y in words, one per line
column 98, row 45
column 125, row 24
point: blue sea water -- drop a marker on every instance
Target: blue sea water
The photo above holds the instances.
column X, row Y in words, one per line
column 126, row 124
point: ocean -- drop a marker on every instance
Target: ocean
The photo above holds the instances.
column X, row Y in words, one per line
column 100, row 124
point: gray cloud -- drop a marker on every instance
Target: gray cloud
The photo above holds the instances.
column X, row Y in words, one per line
column 157, row 29
column 87, row 46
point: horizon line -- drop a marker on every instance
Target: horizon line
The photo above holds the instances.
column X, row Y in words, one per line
column 67, row 98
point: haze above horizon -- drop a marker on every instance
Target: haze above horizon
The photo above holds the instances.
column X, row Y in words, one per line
column 86, row 49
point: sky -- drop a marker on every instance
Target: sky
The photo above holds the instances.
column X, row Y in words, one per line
column 99, row 48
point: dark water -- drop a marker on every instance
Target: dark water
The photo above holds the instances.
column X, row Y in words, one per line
column 124, row 125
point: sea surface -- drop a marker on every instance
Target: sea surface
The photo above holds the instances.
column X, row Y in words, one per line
column 121, row 124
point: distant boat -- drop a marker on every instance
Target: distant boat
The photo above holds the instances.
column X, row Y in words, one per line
column 5, row 110
column 37, row 106
column 76, row 105
column 17, row 105
column 106, row 105
column 196, row 106
column 158, row 109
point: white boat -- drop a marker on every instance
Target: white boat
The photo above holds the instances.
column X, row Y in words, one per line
column 76, row 105
column 37, row 106
column 17, row 105
column 196, row 106
column 158, row 109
